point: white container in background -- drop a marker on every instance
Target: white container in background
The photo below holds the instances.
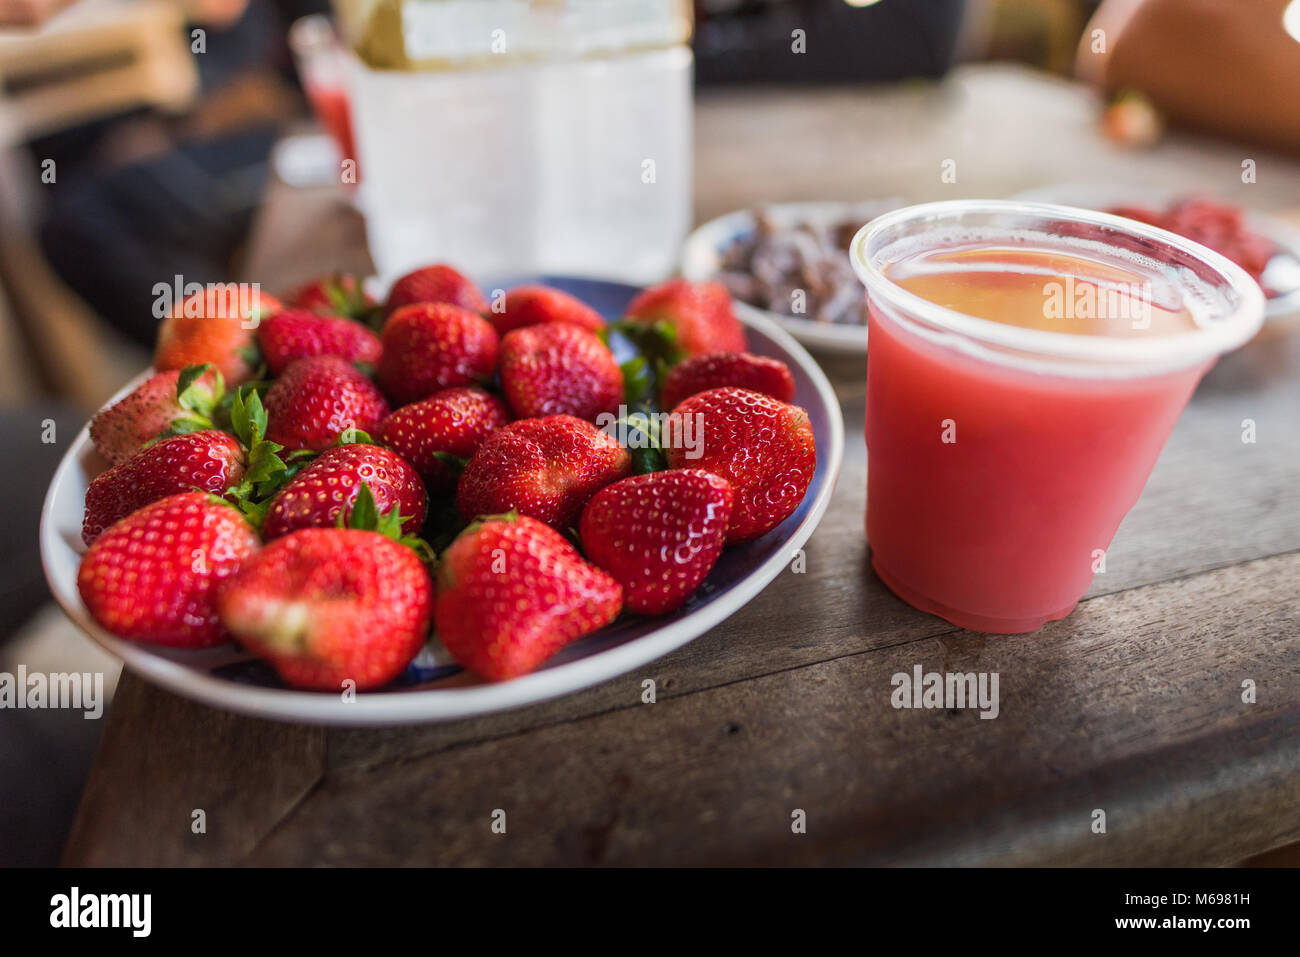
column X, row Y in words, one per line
column 570, row 153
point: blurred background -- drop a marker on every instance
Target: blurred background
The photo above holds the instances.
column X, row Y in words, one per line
column 278, row 140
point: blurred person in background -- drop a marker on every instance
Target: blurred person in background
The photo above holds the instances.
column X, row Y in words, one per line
column 29, row 13
column 142, row 196
column 1222, row 66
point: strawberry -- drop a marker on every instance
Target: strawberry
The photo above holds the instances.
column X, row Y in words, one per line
column 318, row 495
column 317, row 399
column 152, row 577
column 1132, row 120
column 532, row 305
column 559, row 369
column 162, row 403
column 213, row 327
column 546, row 468
column 429, row 347
column 209, row 461
column 339, row 294
column 658, row 535
column 677, row 319
column 438, row 435
column 512, row 592
column 714, row 370
column 328, row 605
column 436, row 283
column 297, row 334
column 762, row 446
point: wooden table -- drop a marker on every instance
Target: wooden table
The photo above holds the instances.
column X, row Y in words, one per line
column 1132, row 705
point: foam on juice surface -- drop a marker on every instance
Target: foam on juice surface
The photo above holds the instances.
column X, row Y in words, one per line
column 1071, row 288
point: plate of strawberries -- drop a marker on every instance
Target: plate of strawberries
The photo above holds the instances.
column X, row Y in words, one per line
column 447, row 501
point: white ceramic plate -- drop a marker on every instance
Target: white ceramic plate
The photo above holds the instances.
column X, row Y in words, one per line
column 702, row 258
column 433, row 689
column 1281, row 275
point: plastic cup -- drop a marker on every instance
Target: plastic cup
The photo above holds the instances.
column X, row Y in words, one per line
column 321, row 60
column 1002, row 459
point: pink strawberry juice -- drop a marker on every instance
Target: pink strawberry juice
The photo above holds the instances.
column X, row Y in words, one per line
column 330, row 103
column 1026, row 365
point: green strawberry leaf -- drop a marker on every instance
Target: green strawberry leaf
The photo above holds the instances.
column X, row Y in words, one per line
column 189, row 375
column 353, row 436
column 240, row 423
column 453, row 462
column 255, row 512
column 337, row 296
column 644, row 442
column 263, row 462
column 265, row 471
column 291, row 465
column 657, row 340
column 638, row 382
column 183, row 425
column 198, row 400
column 196, row 396
column 421, row 548
column 662, row 369
column 365, row 515
column 372, row 316
column 251, row 353
column 217, row 499
column 349, row 302
column 645, row 461
column 248, row 416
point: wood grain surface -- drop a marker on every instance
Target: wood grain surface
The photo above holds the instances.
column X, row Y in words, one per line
column 1132, row 705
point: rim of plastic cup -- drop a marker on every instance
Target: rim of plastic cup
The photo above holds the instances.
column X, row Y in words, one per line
column 1135, row 354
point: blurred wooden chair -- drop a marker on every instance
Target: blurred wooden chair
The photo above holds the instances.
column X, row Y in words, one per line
column 95, row 59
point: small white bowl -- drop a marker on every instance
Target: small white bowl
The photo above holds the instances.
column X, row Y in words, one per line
column 704, row 249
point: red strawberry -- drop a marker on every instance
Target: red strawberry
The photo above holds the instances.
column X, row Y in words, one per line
column 152, row 577
column 325, row 605
column 547, row 468
column 436, row 283
column 213, row 327
column 297, row 334
column 512, row 592
column 429, row 347
column 763, row 447
column 157, row 405
column 210, row 461
column 316, row 496
column 691, row 317
column 659, row 535
column 436, row 432
column 533, row 305
column 558, row 369
column 340, row 294
column 317, row 400
column 713, row 370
